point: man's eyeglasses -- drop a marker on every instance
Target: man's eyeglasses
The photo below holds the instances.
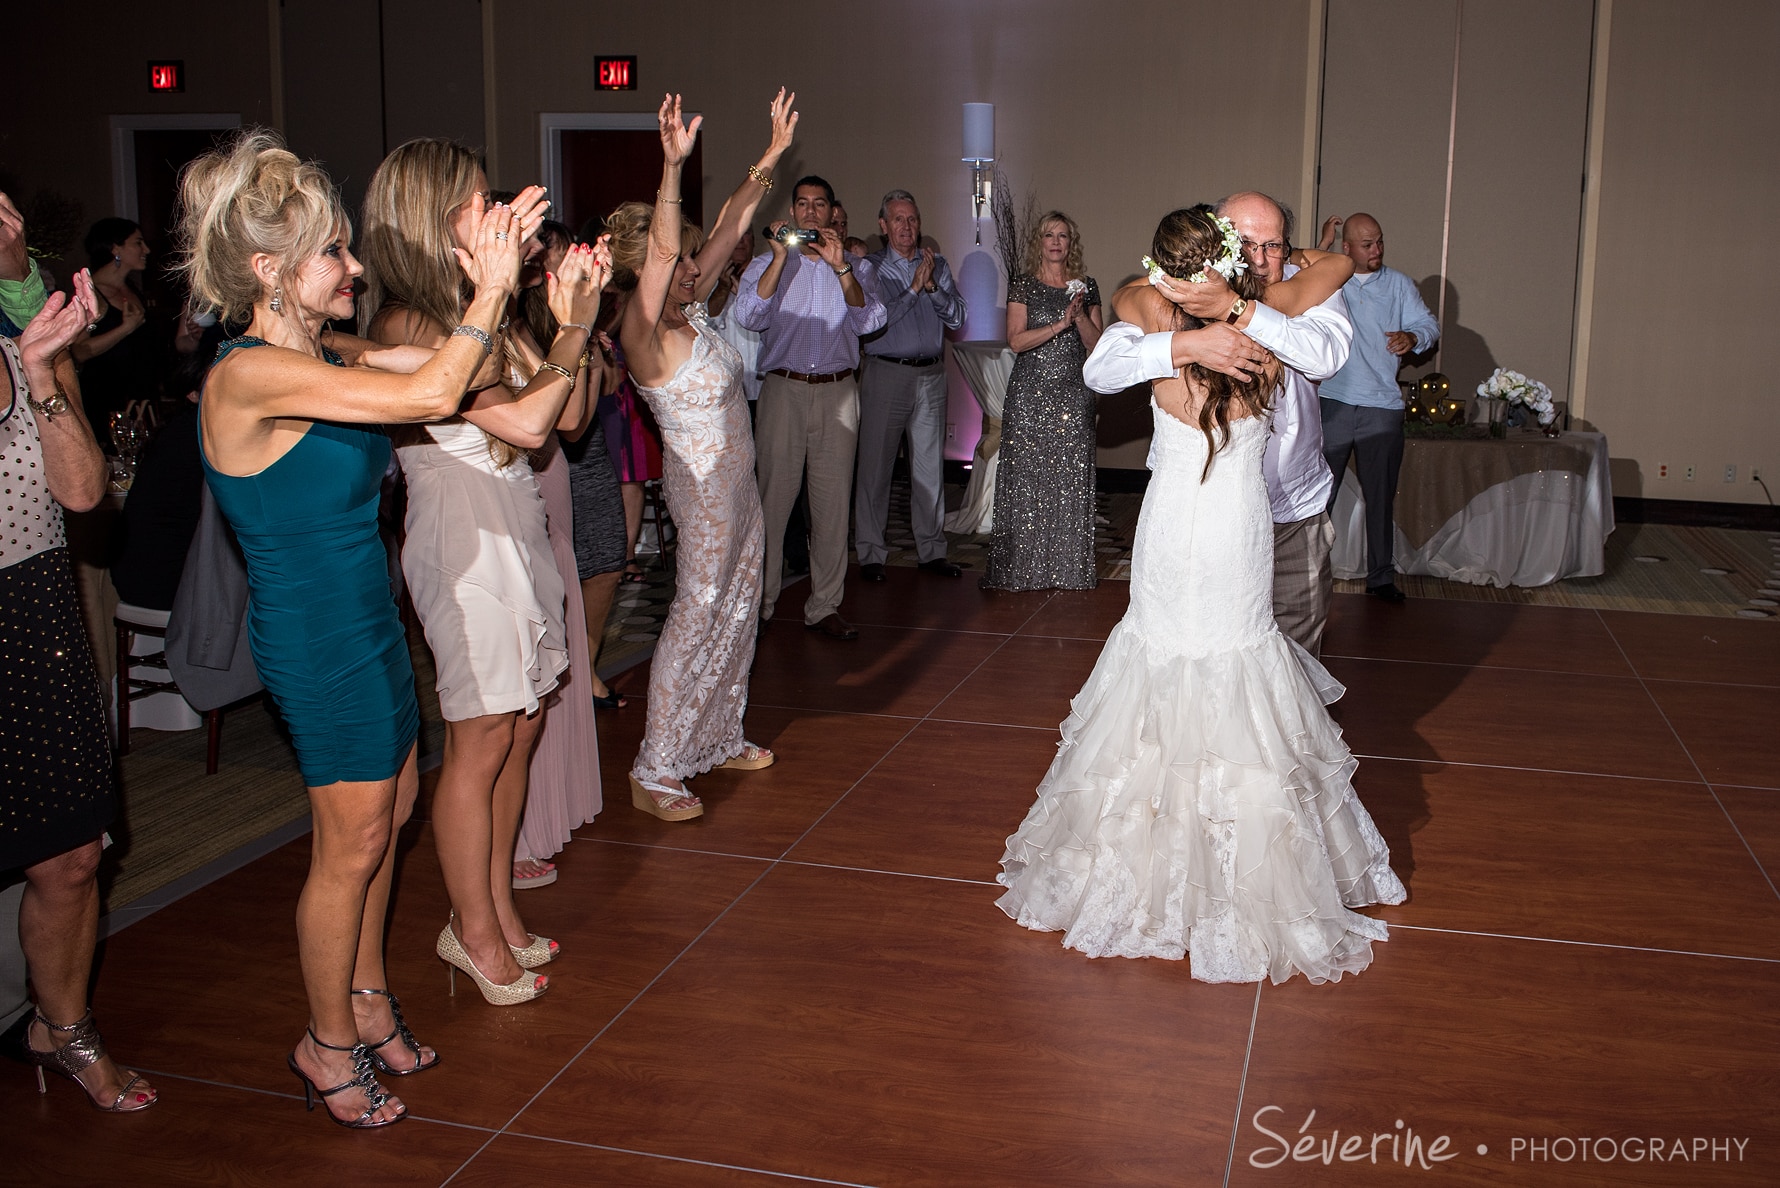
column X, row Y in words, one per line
column 1272, row 247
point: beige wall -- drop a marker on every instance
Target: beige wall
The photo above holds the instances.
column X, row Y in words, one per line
column 1683, row 353
column 1110, row 115
column 1097, row 113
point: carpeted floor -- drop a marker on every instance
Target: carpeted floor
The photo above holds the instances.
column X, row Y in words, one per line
column 176, row 819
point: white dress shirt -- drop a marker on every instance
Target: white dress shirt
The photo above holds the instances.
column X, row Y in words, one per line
column 1313, row 346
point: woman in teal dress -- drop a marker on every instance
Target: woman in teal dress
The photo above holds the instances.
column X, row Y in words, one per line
column 293, row 455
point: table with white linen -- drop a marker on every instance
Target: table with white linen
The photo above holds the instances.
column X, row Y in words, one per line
column 986, row 367
column 1526, row 510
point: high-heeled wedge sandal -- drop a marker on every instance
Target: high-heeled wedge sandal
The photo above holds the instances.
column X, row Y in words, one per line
column 643, row 795
column 525, row 988
column 542, row 951
column 84, row 1049
column 753, row 758
column 402, row 1033
column 364, row 1076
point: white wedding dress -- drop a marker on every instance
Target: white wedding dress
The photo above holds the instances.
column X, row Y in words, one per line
column 1200, row 804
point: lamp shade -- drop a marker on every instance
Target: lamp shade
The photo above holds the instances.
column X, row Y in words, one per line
column 979, row 131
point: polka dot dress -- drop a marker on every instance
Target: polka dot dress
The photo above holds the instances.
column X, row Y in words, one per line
column 56, row 789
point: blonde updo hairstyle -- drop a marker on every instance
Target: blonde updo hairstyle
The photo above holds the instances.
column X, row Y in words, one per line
column 1073, row 267
column 1184, row 241
column 629, row 228
column 253, row 196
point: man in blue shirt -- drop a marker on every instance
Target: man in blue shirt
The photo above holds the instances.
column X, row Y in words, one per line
column 904, row 390
column 1361, row 404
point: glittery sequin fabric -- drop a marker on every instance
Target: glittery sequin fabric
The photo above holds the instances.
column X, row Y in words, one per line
column 56, row 790
column 1201, row 802
column 1043, row 537
column 698, row 680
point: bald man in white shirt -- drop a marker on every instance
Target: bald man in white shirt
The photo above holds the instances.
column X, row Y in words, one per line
column 1313, row 346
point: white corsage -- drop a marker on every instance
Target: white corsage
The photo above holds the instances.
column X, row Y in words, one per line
column 1075, row 288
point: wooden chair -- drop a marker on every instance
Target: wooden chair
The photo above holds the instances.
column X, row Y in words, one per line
column 132, row 621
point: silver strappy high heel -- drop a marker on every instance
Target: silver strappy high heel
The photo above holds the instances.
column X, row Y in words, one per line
column 84, row 1049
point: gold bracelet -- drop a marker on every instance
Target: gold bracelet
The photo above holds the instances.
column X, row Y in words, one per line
column 547, row 365
column 755, row 172
column 660, row 197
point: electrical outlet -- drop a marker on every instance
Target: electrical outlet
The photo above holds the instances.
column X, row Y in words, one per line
column 1755, row 474
column 1730, row 472
column 1662, row 470
column 1687, row 475
column 951, row 430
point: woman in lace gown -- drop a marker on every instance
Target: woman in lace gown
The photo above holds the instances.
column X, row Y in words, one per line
column 692, row 380
column 1200, row 804
column 1043, row 537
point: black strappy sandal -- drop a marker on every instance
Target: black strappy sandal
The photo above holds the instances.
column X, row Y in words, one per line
column 364, row 1077
column 402, row 1033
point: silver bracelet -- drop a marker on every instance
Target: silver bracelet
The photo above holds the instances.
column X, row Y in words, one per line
column 584, row 327
column 477, row 333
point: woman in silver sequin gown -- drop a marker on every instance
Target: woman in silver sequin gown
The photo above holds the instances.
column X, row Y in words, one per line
column 1044, row 485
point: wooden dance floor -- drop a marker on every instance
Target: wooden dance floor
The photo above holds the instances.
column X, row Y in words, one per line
column 813, row 983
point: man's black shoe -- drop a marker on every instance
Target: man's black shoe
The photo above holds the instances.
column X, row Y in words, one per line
column 942, row 567
column 872, row 572
column 1388, row 592
column 833, row 627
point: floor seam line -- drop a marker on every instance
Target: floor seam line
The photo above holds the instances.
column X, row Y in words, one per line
column 1559, row 940
column 1688, row 751
column 1242, row 1085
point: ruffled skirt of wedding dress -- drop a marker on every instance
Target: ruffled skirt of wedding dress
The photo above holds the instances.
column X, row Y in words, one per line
column 1202, row 807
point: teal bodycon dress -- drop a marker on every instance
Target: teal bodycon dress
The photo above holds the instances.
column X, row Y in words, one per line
column 322, row 618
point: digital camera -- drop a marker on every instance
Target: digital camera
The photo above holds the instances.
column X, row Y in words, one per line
column 793, row 237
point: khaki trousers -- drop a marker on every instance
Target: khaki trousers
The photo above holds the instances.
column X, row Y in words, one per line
column 799, row 425
column 1303, row 579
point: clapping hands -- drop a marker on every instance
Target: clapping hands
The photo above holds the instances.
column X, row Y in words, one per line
column 496, row 253
column 573, row 291
column 61, row 320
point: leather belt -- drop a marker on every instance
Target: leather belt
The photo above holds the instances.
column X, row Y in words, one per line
column 827, row 377
column 923, row 361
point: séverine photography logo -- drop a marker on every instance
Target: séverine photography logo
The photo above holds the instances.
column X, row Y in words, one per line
column 1403, row 1144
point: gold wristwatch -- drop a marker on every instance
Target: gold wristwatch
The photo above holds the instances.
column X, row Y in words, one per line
column 53, row 407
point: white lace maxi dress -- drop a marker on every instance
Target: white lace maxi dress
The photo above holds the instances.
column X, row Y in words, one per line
column 1200, row 804
column 698, row 681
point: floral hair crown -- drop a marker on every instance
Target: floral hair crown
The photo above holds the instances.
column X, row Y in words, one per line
column 1227, row 266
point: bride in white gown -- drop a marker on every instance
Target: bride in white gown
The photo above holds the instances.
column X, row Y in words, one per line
column 1200, row 804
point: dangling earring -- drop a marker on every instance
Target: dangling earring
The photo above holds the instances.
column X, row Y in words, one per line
column 277, row 300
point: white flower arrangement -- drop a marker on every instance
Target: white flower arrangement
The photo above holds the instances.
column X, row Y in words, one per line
column 1516, row 388
column 1075, row 288
column 1230, row 265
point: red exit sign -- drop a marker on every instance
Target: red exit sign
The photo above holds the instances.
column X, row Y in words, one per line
column 616, row 74
column 166, row 76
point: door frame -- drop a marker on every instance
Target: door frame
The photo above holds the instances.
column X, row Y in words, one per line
column 550, row 123
column 123, row 149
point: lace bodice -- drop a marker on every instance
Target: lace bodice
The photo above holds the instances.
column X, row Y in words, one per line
column 1202, row 565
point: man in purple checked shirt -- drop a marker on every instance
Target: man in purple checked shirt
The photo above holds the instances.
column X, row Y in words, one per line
column 810, row 310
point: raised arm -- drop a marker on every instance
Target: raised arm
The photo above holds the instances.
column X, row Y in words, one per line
column 267, row 385
column 738, row 209
column 555, row 396
column 1319, row 277
column 640, row 331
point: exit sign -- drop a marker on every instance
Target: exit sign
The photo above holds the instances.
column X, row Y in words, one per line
column 616, row 74
column 166, row 76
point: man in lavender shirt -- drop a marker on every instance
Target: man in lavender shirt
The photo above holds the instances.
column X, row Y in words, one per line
column 810, row 311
